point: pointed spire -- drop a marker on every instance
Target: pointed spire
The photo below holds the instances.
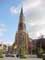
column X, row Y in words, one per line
column 22, row 25
column 21, row 16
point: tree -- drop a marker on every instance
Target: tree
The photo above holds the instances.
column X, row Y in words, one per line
column 39, row 52
column 22, row 53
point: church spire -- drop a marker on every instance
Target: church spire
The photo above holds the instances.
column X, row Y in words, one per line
column 22, row 25
column 21, row 16
column 21, row 12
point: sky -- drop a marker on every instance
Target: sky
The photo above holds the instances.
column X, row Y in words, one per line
column 34, row 12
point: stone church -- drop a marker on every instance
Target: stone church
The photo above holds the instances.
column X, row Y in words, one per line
column 22, row 38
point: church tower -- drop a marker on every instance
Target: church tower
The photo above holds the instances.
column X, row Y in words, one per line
column 22, row 37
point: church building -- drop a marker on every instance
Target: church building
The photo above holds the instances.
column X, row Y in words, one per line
column 22, row 37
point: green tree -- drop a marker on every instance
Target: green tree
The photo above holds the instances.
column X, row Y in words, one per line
column 22, row 53
column 40, row 51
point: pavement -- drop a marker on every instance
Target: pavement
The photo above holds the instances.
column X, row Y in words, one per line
column 10, row 58
column 30, row 57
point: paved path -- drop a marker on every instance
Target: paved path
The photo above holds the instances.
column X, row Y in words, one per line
column 10, row 58
column 33, row 57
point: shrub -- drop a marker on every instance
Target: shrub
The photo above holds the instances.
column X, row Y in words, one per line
column 1, row 53
column 40, row 52
column 22, row 53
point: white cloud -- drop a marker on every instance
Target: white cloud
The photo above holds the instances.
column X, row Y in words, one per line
column 2, row 25
column 7, row 43
column 15, row 10
column 27, row 5
column 30, row 4
column 2, row 29
column 36, row 19
column 1, row 34
column 34, row 11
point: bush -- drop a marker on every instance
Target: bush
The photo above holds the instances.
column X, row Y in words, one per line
column 39, row 52
column 22, row 56
column 1, row 53
column 22, row 53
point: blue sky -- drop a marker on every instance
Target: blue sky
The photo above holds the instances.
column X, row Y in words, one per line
column 34, row 12
column 8, row 22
